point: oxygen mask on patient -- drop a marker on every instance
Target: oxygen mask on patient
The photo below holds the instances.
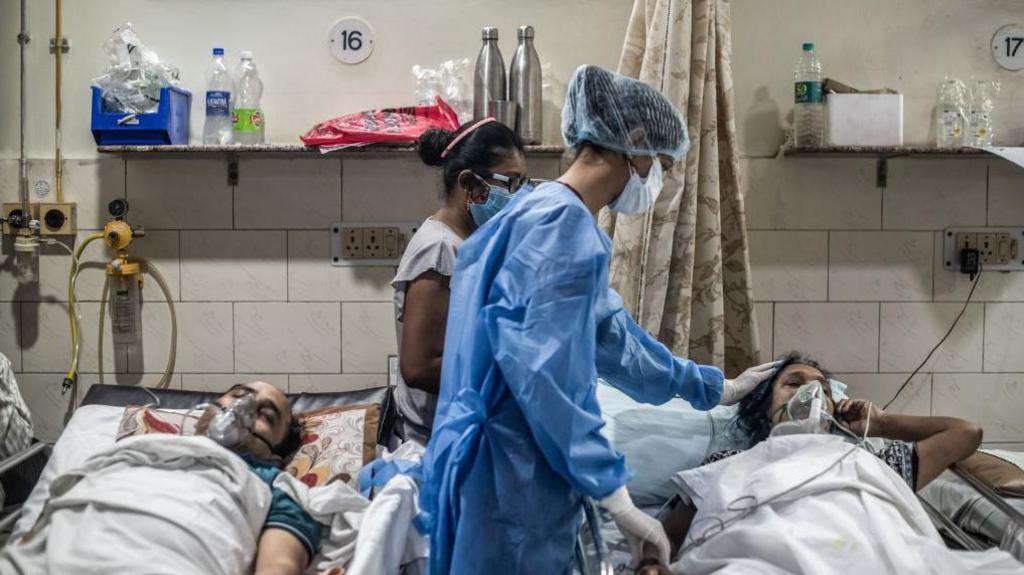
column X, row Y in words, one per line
column 233, row 424
column 806, row 412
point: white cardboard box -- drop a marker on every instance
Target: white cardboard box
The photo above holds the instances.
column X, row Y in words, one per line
column 865, row 119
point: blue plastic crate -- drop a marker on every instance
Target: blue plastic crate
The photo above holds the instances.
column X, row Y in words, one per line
column 168, row 125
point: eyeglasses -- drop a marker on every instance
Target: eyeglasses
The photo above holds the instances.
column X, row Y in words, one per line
column 514, row 183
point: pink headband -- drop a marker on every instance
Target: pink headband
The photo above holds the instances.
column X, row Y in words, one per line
column 463, row 135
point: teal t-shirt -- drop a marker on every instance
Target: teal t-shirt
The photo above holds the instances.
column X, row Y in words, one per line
column 285, row 513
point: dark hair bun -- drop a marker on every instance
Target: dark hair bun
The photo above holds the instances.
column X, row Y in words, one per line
column 432, row 143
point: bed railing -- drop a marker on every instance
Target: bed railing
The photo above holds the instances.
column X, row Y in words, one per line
column 989, row 494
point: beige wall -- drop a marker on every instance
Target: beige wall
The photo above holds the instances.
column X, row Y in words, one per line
column 850, row 272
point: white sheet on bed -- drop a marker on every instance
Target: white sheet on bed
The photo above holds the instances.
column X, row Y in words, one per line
column 856, row 514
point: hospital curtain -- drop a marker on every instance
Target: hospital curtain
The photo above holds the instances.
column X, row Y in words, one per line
column 683, row 269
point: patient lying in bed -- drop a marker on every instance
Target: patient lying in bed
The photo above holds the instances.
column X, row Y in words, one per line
column 817, row 503
column 172, row 504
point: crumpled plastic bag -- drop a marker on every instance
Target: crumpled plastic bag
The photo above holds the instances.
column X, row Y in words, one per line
column 452, row 81
column 388, row 126
column 135, row 76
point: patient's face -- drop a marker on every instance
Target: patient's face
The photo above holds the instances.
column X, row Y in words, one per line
column 785, row 385
column 273, row 416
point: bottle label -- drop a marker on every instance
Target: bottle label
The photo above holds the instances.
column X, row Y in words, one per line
column 807, row 92
column 247, row 120
column 952, row 123
column 218, row 103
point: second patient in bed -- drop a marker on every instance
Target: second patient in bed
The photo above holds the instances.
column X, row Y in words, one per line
column 154, row 516
column 918, row 448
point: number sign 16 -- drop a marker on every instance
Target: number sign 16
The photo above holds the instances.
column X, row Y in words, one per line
column 1008, row 47
column 351, row 40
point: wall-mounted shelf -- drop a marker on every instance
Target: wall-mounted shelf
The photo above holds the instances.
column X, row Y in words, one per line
column 282, row 150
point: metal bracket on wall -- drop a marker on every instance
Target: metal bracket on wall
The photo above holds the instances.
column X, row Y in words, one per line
column 65, row 46
column 232, row 171
column 882, row 173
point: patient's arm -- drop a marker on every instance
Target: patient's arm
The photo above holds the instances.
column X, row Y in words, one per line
column 280, row 553
column 676, row 522
column 941, row 441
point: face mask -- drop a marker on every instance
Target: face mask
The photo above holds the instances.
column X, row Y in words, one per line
column 233, row 424
column 497, row 198
column 806, row 411
column 640, row 193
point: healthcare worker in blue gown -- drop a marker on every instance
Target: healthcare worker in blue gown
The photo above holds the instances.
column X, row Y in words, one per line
column 516, row 441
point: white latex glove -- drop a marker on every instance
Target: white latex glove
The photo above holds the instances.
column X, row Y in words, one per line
column 733, row 390
column 637, row 526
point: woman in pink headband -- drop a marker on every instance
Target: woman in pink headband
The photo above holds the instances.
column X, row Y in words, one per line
column 482, row 165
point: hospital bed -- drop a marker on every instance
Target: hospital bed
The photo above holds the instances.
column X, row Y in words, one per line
column 21, row 472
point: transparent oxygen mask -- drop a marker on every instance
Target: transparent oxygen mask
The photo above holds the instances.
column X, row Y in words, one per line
column 233, row 424
column 806, row 412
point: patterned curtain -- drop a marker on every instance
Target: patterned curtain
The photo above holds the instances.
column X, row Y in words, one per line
column 683, row 269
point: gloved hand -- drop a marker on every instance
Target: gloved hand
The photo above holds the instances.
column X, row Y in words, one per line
column 637, row 526
column 733, row 390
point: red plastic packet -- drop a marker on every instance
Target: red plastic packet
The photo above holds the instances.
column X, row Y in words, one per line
column 390, row 125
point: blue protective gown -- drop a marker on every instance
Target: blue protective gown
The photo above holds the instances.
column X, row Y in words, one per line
column 516, row 440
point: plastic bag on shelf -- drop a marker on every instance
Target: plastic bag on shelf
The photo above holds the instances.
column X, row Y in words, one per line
column 135, row 74
column 385, row 126
column 452, row 81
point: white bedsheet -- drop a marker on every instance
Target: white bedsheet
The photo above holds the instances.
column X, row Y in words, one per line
column 858, row 514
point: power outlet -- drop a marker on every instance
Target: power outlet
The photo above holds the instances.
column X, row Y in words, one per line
column 351, row 243
column 373, row 243
column 57, row 219
column 999, row 248
column 369, row 244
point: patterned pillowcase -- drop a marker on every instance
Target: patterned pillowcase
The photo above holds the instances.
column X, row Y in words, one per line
column 336, row 443
column 139, row 420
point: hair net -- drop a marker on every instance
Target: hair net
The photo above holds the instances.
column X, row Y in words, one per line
column 621, row 114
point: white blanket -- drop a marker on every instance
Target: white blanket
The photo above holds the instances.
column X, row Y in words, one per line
column 857, row 515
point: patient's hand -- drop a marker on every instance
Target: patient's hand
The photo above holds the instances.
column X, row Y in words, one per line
column 854, row 412
column 652, row 567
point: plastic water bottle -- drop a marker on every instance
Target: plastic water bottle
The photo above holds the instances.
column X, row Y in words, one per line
column 950, row 113
column 809, row 108
column 217, row 129
column 980, row 129
column 248, row 122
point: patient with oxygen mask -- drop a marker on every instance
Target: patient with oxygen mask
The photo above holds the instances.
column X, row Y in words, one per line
column 826, row 482
column 163, row 503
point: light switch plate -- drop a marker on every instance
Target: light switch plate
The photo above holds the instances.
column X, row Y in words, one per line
column 372, row 237
column 996, row 255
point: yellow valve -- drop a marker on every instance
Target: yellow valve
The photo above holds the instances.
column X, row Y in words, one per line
column 117, row 234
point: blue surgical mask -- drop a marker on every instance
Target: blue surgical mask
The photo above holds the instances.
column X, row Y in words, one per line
column 640, row 193
column 497, row 199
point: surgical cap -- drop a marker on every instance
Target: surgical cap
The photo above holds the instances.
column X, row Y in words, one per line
column 621, row 114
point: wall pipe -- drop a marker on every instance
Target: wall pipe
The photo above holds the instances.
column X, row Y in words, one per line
column 58, row 48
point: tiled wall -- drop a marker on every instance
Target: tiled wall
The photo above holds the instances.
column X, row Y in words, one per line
column 852, row 274
column 248, row 267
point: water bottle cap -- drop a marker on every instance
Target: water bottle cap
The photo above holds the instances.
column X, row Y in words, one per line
column 489, row 33
column 218, row 51
column 245, row 54
column 808, row 46
column 525, row 32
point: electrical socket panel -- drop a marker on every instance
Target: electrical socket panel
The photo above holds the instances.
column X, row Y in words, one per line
column 370, row 244
column 57, row 219
column 999, row 248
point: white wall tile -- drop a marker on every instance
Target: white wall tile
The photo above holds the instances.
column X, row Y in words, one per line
column 545, row 168
column 42, row 394
column 765, row 318
column 288, row 337
column 992, row 286
column 288, row 193
column 926, row 194
column 205, row 341
column 46, row 343
column 843, row 336
column 311, row 277
column 911, row 330
column 1004, row 332
column 1005, row 193
column 10, row 333
column 880, row 266
column 234, row 266
column 9, row 288
column 389, row 189
column 221, row 382
column 179, row 194
column 368, row 337
column 879, row 388
column 91, row 184
column 789, row 266
column 305, row 383
column 811, row 194
column 993, row 400
column 127, row 379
